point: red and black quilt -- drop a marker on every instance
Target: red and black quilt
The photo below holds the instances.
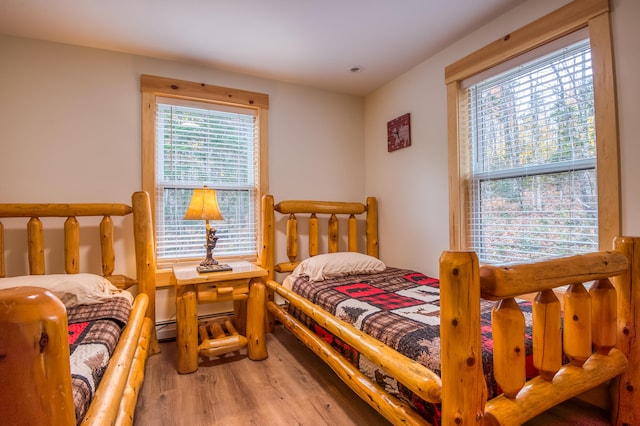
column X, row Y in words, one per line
column 401, row 308
column 94, row 331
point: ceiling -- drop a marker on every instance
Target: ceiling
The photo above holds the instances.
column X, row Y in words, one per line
column 309, row 42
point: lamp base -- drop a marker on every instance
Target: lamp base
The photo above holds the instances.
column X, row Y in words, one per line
column 213, row 268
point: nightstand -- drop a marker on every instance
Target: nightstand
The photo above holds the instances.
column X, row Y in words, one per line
column 242, row 285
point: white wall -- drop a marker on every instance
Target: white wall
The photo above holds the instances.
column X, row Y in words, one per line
column 411, row 184
column 73, row 114
column 70, row 132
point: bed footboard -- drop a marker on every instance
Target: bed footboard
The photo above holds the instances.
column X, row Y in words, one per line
column 584, row 320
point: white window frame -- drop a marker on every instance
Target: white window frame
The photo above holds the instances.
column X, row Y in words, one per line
column 592, row 15
column 154, row 89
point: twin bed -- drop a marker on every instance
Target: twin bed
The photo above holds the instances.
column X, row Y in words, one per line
column 478, row 345
column 73, row 346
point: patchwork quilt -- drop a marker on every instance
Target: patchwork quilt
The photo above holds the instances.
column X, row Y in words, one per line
column 94, row 331
column 401, row 308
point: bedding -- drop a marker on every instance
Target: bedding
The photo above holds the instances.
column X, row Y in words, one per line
column 331, row 265
column 71, row 289
column 401, row 308
column 94, row 331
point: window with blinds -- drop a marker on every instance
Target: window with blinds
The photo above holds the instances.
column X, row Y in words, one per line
column 201, row 144
column 532, row 155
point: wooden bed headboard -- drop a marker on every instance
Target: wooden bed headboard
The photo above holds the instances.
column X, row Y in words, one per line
column 332, row 211
column 142, row 230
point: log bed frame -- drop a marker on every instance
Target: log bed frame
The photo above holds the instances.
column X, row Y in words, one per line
column 613, row 303
column 36, row 384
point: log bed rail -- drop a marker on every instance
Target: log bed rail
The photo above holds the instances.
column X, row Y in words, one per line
column 593, row 325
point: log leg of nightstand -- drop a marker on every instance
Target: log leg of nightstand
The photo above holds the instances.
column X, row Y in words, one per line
column 187, row 329
column 240, row 314
column 256, row 346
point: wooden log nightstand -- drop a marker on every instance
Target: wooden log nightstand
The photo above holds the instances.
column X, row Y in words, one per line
column 242, row 285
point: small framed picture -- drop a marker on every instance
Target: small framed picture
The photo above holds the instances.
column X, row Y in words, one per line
column 399, row 132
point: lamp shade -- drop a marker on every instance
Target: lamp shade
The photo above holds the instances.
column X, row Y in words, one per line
column 204, row 205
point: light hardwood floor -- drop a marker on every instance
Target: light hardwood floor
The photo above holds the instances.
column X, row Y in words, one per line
column 291, row 387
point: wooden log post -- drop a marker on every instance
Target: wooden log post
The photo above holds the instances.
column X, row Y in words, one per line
column 106, row 246
column 72, row 245
column 256, row 314
column 509, row 355
column 292, row 238
column 314, row 235
column 334, row 234
column 34, row 359
column 36, row 246
column 267, row 253
column 216, row 331
column 464, row 390
column 604, row 316
column 577, row 324
column 352, row 233
column 547, row 334
column 143, row 231
column 372, row 227
column 626, row 410
column 202, row 331
column 187, row 331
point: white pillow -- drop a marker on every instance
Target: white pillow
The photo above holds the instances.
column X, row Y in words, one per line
column 332, row 265
column 71, row 289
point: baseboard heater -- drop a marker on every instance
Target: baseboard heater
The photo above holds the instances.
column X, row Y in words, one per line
column 166, row 330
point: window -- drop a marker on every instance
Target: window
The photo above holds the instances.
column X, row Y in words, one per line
column 192, row 138
column 533, row 154
column 533, row 158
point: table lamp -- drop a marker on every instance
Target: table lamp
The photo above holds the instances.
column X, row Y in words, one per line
column 204, row 206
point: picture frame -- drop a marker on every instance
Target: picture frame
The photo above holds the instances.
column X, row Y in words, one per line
column 399, row 132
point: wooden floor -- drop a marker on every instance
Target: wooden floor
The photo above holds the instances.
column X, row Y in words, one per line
column 291, row 387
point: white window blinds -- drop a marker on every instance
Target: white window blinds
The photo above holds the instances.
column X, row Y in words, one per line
column 532, row 152
column 205, row 144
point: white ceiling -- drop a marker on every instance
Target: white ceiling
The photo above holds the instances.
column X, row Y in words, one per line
column 309, row 42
